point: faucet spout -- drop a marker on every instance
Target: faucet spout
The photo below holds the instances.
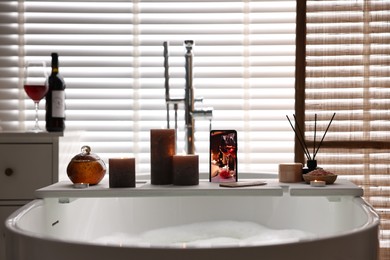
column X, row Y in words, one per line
column 189, row 98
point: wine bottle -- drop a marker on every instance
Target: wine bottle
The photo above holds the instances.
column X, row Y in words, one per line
column 55, row 99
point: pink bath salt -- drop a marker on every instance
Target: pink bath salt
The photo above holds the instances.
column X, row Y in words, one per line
column 320, row 172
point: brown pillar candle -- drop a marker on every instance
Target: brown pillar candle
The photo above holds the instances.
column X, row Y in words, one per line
column 121, row 172
column 162, row 148
column 185, row 169
column 290, row 172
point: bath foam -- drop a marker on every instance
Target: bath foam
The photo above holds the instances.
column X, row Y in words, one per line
column 207, row 235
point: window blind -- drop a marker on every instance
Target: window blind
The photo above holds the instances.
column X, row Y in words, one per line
column 348, row 72
column 11, row 105
column 111, row 56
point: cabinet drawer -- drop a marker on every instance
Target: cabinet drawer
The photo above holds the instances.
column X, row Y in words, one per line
column 23, row 169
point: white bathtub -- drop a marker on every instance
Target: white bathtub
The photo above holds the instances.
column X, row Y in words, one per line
column 66, row 225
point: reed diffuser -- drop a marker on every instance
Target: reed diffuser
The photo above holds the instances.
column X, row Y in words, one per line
column 311, row 161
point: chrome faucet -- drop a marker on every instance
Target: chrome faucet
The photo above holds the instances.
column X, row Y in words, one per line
column 191, row 113
column 189, row 99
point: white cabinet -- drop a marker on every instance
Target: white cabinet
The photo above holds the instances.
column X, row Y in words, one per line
column 5, row 211
column 28, row 161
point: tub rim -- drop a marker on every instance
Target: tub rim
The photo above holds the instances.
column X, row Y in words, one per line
column 372, row 221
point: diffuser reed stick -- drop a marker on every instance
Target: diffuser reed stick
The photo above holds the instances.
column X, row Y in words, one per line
column 301, row 142
column 330, row 122
column 301, row 138
column 315, row 132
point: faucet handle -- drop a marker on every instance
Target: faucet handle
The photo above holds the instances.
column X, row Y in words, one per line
column 206, row 112
column 188, row 44
column 198, row 99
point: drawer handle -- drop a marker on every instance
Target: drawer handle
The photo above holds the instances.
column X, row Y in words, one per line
column 9, row 171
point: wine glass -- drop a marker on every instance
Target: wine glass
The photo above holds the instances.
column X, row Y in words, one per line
column 35, row 85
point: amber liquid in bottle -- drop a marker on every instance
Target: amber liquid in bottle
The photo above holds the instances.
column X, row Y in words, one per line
column 55, row 99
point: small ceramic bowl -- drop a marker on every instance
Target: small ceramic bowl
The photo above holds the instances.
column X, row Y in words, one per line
column 329, row 179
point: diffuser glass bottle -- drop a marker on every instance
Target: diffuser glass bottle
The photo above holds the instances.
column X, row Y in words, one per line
column 55, row 99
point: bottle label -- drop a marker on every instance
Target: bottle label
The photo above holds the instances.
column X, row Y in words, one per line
column 58, row 103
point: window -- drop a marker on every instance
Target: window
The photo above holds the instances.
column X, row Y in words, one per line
column 348, row 72
column 111, row 56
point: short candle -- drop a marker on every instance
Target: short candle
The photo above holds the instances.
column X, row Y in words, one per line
column 317, row 183
column 290, row 172
column 185, row 169
column 121, row 172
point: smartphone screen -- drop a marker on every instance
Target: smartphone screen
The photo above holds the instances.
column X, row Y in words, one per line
column 223, row 156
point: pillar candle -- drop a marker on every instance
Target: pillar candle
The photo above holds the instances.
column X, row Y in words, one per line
column 121, row 172
column 290, row 172
column 185, row 169
column 162, row 148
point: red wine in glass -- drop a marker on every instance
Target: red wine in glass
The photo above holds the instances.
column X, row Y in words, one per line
column 36, row 92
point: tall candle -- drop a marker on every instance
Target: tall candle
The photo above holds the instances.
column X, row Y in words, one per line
column 121, row 172
column 185, row 169
column 162, row 148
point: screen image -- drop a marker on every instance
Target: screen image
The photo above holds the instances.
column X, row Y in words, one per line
column 223, row 156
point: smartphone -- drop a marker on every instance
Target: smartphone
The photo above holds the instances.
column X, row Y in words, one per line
column 223, row 156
